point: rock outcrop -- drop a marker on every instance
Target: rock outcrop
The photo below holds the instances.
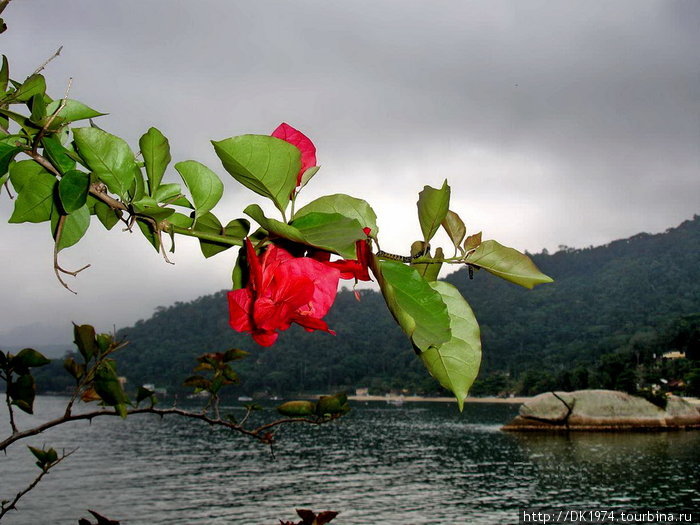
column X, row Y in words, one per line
column 602, row 410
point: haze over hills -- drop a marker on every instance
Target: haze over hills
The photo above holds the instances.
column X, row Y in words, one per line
column 610, row 299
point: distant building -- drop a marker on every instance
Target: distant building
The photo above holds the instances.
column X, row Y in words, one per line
column 362, row 391
column 675, row 354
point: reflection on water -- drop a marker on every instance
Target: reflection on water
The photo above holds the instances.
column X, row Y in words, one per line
column 413, row 464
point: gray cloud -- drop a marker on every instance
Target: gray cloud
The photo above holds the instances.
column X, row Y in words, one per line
column 555, row 122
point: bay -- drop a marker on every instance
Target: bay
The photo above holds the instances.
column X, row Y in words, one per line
column 419, row 463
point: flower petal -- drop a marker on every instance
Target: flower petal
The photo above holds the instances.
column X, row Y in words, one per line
column 264, row 337
column 324, row 279
column 239, row 305
column 311, row 323
column 295, row 137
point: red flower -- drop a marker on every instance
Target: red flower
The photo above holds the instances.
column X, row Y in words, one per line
column 351, row 269
column 281, row 290
column 296, row 138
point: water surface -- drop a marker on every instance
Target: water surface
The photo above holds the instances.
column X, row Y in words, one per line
column 420, row 463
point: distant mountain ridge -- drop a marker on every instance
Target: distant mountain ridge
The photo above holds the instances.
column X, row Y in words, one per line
column 601, row 298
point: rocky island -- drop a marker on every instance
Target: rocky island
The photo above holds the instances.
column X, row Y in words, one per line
column 607, row 410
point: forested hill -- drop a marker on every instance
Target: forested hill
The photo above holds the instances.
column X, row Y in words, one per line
column 606, row 299
column 601, row 298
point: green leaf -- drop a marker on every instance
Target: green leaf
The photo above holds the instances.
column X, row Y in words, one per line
column 237, row 228
column 205, row 186
column 327, row 231
column 27, row 126
column 107, row 216
column 38, row 108
column 148, row 206
column 234, row 354
column 331, row 232
column 33, row 85
column 455, row 364
column 110, row 159
column 308, row 175
column 104, row 342
column 172, row 194
column 151, row 236
column 73, row 368
column 38, row 453
column 46, row 458
column 138, row 187
column 155, row 149
column 266, row 165
column 274, row 226
column 22, row 392
column 30, row 358
column 428, row 271
column 59, row 155
column 297, row 408
column 208, row 223
column 507, row 263
column 165, row 192
column 433, row 205
column 345, row 205
column 455, row 228
column 107, row 385
column 418, row 309
column 197, row 382
column 180, row 220
column 36, row 192
column 143, row 393
column 239, row 274
column 472, row 242
column 72, row 110
column 73, row 190
column 7, row 154
column 4, row 74
column 23, row 171
column 332, row 405
column 74, row 227
column 84, row 338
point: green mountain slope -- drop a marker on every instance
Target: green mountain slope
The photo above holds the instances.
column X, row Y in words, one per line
column 600, row 299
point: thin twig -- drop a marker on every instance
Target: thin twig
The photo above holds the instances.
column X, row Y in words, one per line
column 46, row 62
column 6, row 508
column 260, row 433
column 248, row 411
column 56, row 267
column 9, row 409
column 162, row 248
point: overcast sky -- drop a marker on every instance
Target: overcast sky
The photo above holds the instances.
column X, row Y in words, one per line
column 571, row 123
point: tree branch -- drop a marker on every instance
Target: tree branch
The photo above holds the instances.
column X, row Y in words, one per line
column 13, row 425
column 260, row 433
column 46, row 62
column 213, row 237
column 4, row 509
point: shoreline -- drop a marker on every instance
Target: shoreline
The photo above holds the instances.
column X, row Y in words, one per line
column 421, row 399
column 491, row 399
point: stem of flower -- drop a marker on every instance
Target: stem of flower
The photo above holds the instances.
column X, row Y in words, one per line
column 205, row 236
column 422, row 259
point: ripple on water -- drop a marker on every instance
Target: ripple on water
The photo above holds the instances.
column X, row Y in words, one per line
column 424, row 464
